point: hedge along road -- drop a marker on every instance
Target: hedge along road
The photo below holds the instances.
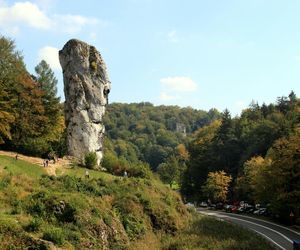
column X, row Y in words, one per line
column 282, row 237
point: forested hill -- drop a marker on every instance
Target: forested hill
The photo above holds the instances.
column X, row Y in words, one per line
column 258, row 150
column 142, row 131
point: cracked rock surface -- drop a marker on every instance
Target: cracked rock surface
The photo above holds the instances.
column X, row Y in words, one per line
column 86, row 88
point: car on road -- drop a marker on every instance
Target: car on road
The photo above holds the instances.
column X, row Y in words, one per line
column 231, row 209
column 203, row 204
column 260, row 211
column 219, row 205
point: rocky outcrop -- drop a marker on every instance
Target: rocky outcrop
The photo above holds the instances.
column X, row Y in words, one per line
column 86, row 88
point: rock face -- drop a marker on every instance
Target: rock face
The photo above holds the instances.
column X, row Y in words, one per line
column 86, row 88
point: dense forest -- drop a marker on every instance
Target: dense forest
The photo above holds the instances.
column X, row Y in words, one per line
column 259, row 151
column 260, row 145
column 148, row 133
column 207, row 155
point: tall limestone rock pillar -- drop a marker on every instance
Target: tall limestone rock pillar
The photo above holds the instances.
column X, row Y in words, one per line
column 86, row 87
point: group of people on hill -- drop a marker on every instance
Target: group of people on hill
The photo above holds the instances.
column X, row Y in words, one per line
column 47, row 158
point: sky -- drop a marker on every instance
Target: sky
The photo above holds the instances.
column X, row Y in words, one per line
column 198, row 53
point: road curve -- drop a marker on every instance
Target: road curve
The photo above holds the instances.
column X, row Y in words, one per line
column 280, row 236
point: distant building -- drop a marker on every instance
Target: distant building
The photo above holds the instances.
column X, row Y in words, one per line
column 180, row 128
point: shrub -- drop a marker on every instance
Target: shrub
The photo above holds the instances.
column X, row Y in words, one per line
column 73, row 236
column 90, row 160
column 16, row 206
column 34, row 225
column 117, row 166
column 93, row 66
column 133, row 226
column 5, row 181
column 54, row 234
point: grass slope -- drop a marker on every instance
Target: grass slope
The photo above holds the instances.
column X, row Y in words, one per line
column 16, row 167
column 38, row 211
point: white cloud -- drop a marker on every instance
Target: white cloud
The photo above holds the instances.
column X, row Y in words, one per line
column 29, row 14
column 73, row 23
column 166, row 97
column 50, row 55
column 172, row 36
column 45, row 4
column 179, row 83
column 24, row 13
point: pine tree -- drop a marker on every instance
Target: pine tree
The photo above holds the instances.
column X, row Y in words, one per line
column 46, row 79
column 47, row 82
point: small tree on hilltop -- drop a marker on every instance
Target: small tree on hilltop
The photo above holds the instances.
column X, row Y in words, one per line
column 169, row 172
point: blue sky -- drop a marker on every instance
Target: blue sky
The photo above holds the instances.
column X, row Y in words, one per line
column 203, row 54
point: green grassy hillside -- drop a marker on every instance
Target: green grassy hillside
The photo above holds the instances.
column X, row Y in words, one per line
column 70, row 211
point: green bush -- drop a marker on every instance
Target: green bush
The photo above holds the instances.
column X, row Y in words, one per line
column 117, row 166
column 134, row 227
column 90, row 160
column 35, row 204
column 73, row 236
column 34, row 225
column 5, row 181
column 16, row 206
column 54, row 234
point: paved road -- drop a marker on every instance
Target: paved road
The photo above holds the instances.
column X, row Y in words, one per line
column 282, row 237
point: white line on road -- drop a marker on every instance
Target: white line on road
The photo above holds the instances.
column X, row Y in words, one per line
column 291, row 230
column 267, row 237
column 288, row 239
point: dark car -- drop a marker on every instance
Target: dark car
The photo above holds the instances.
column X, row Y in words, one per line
column 219, row 205
column 228, row 208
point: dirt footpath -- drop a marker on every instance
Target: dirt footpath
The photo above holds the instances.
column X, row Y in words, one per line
column 60, row 165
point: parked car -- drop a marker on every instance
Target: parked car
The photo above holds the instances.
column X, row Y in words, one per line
column 219, row 205
column 212, row 206
column 260, row 211
column 203, row 204
column 234, row 209
column 231, row 208
column 249, row 209
column 240, row 210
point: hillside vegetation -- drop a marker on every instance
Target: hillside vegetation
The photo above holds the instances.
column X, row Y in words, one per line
column 70, row 211
column 148, row 133
column 261, row 145
column 102, row 212
column 109, row 211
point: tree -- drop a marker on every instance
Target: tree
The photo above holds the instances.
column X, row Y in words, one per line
column 226, row 145
column 169, row 172
column 47, row 83
column 251, row 184
column 182, row 153
column 46, row 79
column 284, row 171
column 156, row 154
column 202, row 161
column 11, row 66
column 216, row 186
column 6, row 115
column 30, row 114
